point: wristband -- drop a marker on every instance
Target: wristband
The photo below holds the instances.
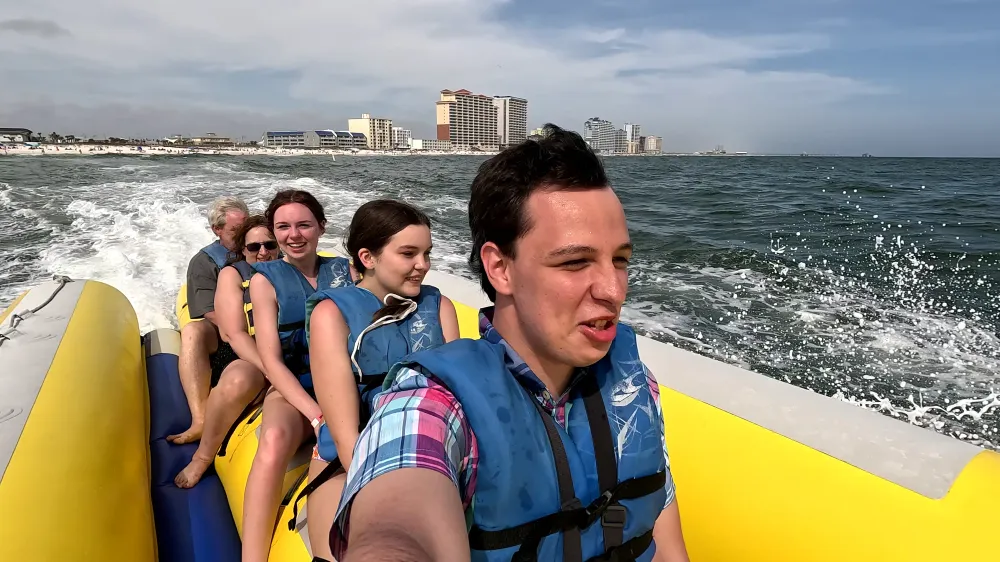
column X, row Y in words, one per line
column 317, row 421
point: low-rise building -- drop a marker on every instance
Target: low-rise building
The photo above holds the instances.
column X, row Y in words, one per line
column 15, row 135
column 430, row 144
column 211, row 139
column 653, row 145
column 401, row 137
column 377, row 130
column 326, row 138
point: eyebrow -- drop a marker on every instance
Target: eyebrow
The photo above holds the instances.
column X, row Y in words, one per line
column 574, row 249
column 412, row 247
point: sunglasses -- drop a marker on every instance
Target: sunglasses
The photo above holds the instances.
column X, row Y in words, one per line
column 269, row 245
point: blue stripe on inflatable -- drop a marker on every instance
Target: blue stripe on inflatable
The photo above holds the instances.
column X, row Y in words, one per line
column 191, row 525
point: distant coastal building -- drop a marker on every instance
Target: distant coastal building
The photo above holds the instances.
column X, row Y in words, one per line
column 314, row 139
column 430, row 144
column 632, row 132
column 621, row 142
column 467, row 120
column 15, row 135
column 600, row 135
column 653, row 145
column 512, row 120
column 377, row 130
column 401, row 137
column 210, row 139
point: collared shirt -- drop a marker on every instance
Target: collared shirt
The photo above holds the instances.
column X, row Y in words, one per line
column 420, row 424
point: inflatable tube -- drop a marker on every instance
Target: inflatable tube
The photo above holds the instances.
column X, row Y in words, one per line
column 191, row 525
column 765, row 471
column 74, row 463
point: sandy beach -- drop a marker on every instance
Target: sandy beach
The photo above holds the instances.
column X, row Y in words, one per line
column 96, row 150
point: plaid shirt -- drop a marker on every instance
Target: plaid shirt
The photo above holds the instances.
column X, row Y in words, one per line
column 420, row 424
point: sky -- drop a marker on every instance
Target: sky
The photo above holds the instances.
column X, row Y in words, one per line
column 914, row 78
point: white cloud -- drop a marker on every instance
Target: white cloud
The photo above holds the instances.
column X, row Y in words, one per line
column 695, row 87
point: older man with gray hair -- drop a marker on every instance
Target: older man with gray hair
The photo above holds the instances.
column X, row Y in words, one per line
column 202, row 358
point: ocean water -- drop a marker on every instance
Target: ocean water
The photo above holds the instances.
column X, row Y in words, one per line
column 873, row 280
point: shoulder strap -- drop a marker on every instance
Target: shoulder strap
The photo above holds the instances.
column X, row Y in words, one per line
column 245, row 269
column 217, row 252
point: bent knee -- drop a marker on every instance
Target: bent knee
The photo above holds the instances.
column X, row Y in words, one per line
column 275, row 445
column 241, row 380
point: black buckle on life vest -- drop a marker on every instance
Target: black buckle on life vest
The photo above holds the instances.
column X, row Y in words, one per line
column 614, row 516
column 599, row 505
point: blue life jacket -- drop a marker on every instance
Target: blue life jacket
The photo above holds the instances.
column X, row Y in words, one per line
column 534, row 478
column 217, row 252
column 380, row 348
column 246, row 271
column 292, row 290
column 386, row 344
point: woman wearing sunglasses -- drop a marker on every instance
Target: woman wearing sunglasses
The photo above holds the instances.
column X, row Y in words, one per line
column 241, row 372
column 357, row 332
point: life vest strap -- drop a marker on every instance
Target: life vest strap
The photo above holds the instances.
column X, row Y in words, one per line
column 578, row 517
column 627, row 552
column 292, row 326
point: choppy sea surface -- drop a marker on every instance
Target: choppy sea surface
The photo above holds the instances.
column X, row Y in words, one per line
column 871, row 279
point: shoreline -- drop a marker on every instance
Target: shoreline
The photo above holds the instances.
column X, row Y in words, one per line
column 150, row 151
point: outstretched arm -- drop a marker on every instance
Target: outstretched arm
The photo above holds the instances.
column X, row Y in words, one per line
column 426, row 522
column 667, row 534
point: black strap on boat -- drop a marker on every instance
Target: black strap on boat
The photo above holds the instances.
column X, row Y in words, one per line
column 256, row 404
column 327, row 473
column 575, row 517
column 614, row 516
column 368, row 383
column 291, row 491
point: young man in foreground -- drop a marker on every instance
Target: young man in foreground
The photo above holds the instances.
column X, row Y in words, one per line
column 544, row 438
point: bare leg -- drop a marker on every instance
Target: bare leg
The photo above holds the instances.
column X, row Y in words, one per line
column 198, row 341
column 322, row 508
column 238, row 385
column 283, row 429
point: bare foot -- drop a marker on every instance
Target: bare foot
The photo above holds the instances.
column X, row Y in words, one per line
column 192, row 434
column 192, row 473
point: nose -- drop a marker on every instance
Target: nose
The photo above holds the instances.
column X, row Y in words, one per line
column 610, row 284
column 422, row 264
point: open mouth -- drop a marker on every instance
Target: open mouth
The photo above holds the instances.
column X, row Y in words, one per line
column 600, row 330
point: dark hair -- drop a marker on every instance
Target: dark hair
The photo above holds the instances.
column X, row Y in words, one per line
column 560, row 159
column 374, row 223
column 283, row 198
column 240, row 239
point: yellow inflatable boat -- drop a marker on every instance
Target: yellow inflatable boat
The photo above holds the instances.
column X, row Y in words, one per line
column 765, row 471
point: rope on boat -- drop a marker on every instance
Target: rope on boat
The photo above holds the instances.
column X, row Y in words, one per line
column 18, row 317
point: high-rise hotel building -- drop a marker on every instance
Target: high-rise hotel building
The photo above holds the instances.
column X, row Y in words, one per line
column 512, row 120
column 467, row 120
